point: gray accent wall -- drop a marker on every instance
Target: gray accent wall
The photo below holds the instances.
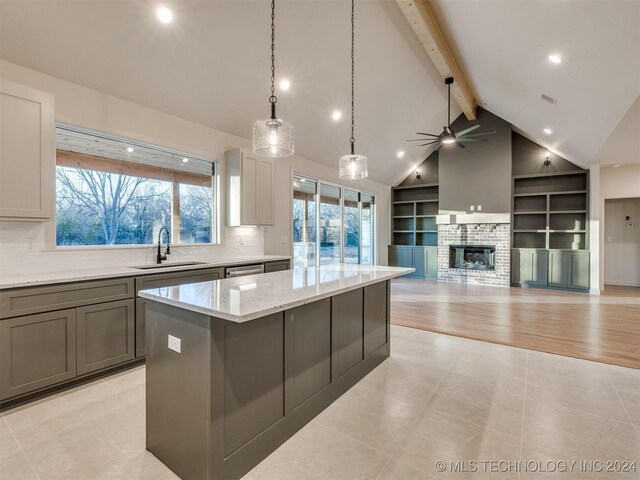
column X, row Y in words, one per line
column 479, row 174
column 528, row 158
column 429, row 172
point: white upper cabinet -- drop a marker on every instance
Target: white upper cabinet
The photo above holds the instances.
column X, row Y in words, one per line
column 27, row 153
column 249, row 188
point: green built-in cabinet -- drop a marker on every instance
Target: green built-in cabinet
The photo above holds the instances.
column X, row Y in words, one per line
column 414, row 229
column 549, row 240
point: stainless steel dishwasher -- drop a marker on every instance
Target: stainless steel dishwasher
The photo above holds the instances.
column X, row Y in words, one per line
column 232, row 272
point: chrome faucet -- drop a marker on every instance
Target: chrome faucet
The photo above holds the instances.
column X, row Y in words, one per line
column 168, row 249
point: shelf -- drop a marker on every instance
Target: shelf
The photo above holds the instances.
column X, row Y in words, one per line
column 403, row 231
column 567, row 231
column 403, row 216
column 427, row 201
column 542, row 230
column 426, row 216
column 567, row 211
column 403, row 201
column 532, row 212
column 426, row 231
column 568, row 192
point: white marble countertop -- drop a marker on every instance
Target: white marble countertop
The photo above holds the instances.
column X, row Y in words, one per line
column 80, row 274
column 247, row 298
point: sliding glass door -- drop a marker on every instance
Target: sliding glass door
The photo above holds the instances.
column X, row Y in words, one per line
column 305, row 219
column 331, row 224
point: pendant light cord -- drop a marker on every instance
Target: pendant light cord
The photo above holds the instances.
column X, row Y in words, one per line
column 449, row 106
column 273, row 99
column 353, row 29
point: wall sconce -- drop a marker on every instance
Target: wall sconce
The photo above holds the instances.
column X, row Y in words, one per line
column 547, row 155
column 418, row 176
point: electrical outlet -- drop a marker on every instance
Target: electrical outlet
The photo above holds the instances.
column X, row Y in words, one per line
column 175, row 344
column 479, row 208
column 471, row 207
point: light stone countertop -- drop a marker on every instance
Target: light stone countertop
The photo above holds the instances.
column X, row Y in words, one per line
column 86, row 274
column 247, row 298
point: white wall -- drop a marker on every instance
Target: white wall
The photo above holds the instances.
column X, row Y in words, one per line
column 622, row 182
column 622, row 241
column 81, row 106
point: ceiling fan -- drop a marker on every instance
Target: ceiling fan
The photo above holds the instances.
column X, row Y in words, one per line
column 448, row 135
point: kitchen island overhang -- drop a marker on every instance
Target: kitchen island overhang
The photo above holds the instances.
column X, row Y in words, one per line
column 259, row 357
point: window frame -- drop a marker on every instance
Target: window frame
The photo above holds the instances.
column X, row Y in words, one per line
column 360, row 192
column 51, row 227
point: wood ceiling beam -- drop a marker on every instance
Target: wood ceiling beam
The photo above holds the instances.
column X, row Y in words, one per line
column 424, row 24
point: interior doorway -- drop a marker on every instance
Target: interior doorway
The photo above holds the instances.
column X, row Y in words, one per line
column 622, row 242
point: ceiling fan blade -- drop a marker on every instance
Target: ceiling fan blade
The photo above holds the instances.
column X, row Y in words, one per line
column 425, row 144
column 471, row 140
column 430, row 134
column 438, row 147
column 479, row 134
column 460, row 144
column 470, row 129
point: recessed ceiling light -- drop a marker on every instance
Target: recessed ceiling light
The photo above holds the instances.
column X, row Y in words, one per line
column 547, row 131
column 336, row 115
column 555, row 59
column 164, row 15
column 129, row 149
column 285, row 84
column 400, row 154
column 617, row 165
column 185, row 160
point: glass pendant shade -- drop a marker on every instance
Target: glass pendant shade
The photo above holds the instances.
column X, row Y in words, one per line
column 273, row 137
column 353, row 167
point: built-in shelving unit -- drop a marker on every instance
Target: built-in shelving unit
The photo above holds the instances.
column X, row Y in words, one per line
column 550, row 210
column 414, row 215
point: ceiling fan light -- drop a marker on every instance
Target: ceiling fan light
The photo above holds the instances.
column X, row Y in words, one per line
column 448, row 136
column 273, row 137
column 353, row 167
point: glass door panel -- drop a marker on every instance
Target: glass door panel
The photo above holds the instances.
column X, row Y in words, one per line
column 351, row 217
column 305, row 217
column 367, row 236
column 330, row 225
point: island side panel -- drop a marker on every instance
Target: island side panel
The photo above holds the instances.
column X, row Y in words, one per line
column 376, row 317
column 177, row 389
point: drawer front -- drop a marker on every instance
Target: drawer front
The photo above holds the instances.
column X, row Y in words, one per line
column 171, row 279
column 37, row 351
column 276, row 266
column 105, row 334
column 29, row 300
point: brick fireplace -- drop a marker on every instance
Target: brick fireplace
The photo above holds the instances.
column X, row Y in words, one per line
column 481, row 230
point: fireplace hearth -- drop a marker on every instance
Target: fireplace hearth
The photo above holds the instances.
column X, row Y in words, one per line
column 472, row 257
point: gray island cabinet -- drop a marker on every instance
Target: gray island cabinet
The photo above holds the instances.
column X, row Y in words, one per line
column 235, row 367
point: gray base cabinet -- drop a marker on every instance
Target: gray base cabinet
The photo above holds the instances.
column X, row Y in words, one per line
column 105, row 335
column 37, row 351
column 560, row 269
column 276, row 266
column 529, row 267
column 423, row 259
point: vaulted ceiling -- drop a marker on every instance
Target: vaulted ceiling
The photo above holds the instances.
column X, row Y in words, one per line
column 211, row 66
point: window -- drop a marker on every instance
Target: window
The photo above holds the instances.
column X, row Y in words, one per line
column 111, row 191
column 331, row 224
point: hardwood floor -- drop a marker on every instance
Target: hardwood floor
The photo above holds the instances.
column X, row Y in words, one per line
column 604, row 328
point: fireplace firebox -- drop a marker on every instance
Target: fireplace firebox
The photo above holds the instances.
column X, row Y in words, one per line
column 472, row 257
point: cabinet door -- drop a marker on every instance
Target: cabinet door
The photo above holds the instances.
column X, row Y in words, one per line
column 249, row 187
column 558, row 269
column 376, row 317
column 265, row 191
column 394, row 256
column 432, row 262
column 27, row 153
column 578, row 269
column 419, row 258
column 539, row 264
column 406, row 257
column 105, row 335
column 37, row 351
column 517, row 257
column 141, row 327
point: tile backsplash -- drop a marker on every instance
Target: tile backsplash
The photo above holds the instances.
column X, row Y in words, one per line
column 22, row 250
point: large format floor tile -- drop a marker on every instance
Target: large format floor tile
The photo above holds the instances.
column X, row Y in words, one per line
column 484, row 410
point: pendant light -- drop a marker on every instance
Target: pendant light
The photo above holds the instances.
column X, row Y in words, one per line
column 353, row 166
column 273, row 137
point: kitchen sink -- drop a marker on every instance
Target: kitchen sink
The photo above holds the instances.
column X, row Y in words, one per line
column 168, row 265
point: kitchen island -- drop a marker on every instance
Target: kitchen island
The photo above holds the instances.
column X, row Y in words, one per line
column 235, row 367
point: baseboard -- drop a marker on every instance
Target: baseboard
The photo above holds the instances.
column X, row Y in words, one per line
column 620, row 284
